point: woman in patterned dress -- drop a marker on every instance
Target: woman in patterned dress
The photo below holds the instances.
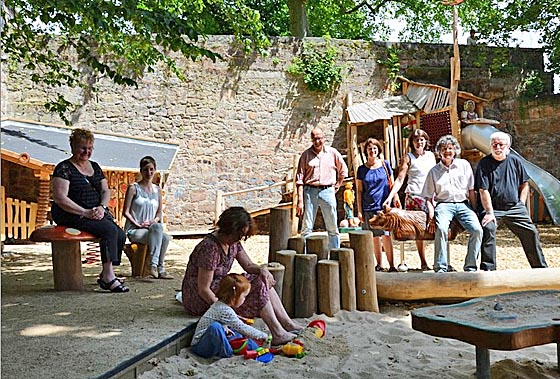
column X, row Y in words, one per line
column 213, row 258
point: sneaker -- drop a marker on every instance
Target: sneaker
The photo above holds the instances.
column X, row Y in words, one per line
column 154, row 272
column 164, row 275
column 378, row 268
column 441, row 271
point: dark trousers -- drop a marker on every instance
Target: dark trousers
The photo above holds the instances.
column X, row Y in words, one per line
column 112, row 237
column 517, row 220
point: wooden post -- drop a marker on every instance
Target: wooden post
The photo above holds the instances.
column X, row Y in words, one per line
column 295, row 218
column 277, row 271
column 297, row 243
column 328, row 288
column 319, row 245
column 218, row 206
column 286, row 258
column 67, row 266
column 305, row 285
column 345, row 258
column 279, row 231
column 361, row 241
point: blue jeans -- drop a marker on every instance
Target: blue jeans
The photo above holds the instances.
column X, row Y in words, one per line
column 215, row 343
column 467, row 218
column 325, row 198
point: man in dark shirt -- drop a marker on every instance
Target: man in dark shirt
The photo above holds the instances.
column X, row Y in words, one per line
column 502, row 183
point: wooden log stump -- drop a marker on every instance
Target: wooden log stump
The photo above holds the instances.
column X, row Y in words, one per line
column 305, row 285
column 361, row 241
column 139, row 258
column 297, row 243
column 318, row 245
column 345, row 258
column 328, row 288
column 280, row 231
column 67, row 266
column 286, row 258
column 277, row 271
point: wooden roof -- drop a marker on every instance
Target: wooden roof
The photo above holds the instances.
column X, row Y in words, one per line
column 380, row 109
column 42, row 146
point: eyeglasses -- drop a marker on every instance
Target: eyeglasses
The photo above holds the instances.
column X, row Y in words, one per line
column 499, row 144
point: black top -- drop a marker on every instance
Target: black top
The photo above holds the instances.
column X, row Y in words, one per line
column 502, row 179
column 83, row 190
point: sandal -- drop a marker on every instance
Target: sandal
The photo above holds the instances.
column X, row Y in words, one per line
column 378, row 268
column 100, row 279
column 393, row 269
column 120, row 288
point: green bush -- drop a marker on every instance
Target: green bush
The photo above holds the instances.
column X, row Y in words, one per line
column 317, row 68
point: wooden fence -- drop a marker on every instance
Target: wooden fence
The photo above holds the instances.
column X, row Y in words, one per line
column 18, row 217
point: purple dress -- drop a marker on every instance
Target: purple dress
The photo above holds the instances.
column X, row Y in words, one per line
column 209, row 255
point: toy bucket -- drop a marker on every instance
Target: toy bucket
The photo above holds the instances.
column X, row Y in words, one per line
column 239, row 345
column 319, row 324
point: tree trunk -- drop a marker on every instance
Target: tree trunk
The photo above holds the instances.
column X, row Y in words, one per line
column 298, row 18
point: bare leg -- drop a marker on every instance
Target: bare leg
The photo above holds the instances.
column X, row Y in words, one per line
column 279, row 334
column 420, row 245
column 280, row 312
column 388, row 247
column 377, row 251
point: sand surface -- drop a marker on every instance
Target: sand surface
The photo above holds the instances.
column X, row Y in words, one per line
column 48, row 334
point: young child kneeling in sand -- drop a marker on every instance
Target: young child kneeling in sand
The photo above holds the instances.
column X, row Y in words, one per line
column 220, row 323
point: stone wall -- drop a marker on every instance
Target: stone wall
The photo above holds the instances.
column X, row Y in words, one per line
column 240, row 120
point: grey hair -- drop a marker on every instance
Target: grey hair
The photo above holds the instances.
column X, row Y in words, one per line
column 501, row 136
column 448, row 140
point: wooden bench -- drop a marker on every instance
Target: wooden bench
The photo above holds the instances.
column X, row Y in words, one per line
column 66, row 254
column 509, row 321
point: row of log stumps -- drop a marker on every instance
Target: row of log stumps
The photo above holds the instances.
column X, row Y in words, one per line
column 320, row 280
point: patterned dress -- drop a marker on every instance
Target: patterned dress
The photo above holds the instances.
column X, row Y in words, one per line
column 209, row 255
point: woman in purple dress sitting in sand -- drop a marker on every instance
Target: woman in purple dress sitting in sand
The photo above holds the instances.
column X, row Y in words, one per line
column 213, row 258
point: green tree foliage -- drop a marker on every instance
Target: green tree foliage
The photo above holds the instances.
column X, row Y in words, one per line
column 494, row 20
column 120, row 39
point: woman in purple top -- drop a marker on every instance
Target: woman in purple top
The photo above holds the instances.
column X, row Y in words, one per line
column 213, row 258
column 372, row 188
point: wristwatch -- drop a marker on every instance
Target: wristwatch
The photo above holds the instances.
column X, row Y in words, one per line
column 104, row 206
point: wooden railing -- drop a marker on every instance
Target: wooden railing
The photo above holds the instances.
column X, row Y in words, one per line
column 18, row 217
column 289, row 188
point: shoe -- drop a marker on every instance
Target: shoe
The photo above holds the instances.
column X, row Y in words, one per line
column 426, row 268
column 100, row 279
column 378, row 268
column 441, row 271
column 451, row 269
column 393, row 269
column 154, row 272
column 164, row 275
column 120, row 288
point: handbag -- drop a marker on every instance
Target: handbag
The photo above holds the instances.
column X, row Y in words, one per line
column 396, row 199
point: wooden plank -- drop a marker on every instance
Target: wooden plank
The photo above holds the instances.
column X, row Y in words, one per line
column 3, row 214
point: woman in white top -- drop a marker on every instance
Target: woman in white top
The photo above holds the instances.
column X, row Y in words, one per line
column 143, row 212
column 416, row 164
